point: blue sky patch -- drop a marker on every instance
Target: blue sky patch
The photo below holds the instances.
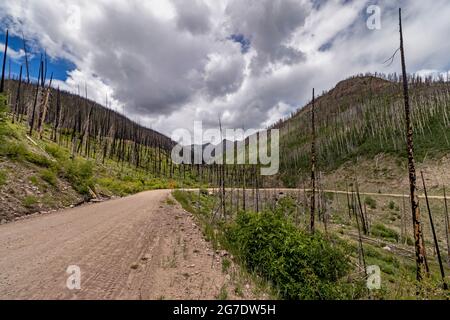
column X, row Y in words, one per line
column 242, row 40
column 59, row 67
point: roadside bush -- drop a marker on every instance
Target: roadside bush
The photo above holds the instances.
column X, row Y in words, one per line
column 29, row 202
column 183, row 198
column 299, row 265
column 49, row 176
column 80, row 176
column 121, row 187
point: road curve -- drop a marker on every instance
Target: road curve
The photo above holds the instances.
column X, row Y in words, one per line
column 138, row 247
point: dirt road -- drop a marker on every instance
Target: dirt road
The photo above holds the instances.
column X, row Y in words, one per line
column 138, row 247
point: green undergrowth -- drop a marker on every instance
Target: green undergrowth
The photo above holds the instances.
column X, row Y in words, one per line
column 276, row 246
column 295, row 264
column 89, row 177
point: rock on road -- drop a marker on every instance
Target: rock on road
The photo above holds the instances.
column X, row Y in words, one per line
column 138, row 247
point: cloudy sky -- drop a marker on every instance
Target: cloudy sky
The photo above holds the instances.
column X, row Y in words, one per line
column 166, row 63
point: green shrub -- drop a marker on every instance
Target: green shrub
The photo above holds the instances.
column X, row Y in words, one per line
column 170, row 202
column 18, row 151
column 183, row 199
column 34, row 180
column 223, row 294
column 13, row 150
column 29, row 201
column 80, row 175
column 391, row 205
column 49, row 176
column 2, row 177
column 56, row 152
column 38, row 159
column 121, row 187
column 300, row 266
column 380, row 230
column 226, row 264
column 286, row 206
column 3, row 108
column 371, row 202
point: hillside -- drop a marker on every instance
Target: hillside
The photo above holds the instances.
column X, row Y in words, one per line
column 361, row 119
column 83, row 153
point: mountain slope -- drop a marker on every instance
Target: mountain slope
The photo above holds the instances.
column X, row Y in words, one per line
column 361, row 118
column 102, row 156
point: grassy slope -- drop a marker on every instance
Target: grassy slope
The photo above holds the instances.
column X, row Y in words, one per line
column 39, row 175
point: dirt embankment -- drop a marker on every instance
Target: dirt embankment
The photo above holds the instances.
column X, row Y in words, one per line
column 25, row 192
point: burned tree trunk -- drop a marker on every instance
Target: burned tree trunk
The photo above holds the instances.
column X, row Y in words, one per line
column 418, row 237
column 26, row 58
column 2, row 84
column 447, row 228
column 313, row 166
column 17, row 102
column 57, row 116
column 33, row 111
column 363, row 218
column 243, row 187
column 362, row 259
column 44, row 108
column 348, row 204
column 436, row 244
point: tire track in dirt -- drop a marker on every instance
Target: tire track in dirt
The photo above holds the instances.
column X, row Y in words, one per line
column 138, row 247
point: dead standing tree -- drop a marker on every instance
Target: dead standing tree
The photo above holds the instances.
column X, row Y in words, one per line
column 2, row 84
column 222, row 172
column 26, row 58
column 44, row 107
column 16, row 109
column 313, row 166
column 447, row 227
column 418, row 236
column 436, row 243
column 33, row 110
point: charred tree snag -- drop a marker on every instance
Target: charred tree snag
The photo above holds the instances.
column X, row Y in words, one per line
column 418, row 236
column 447, row 227
column 362, row 258
column 436, row 244
column 222, row 172
column 2, row 84
column 45, row 107
column 57, row 115
column 17, row 102
column 33, row 111
column 243, row 187
column 313, row 166
column 363, row 219
column 348, row 204
column 26, row 58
